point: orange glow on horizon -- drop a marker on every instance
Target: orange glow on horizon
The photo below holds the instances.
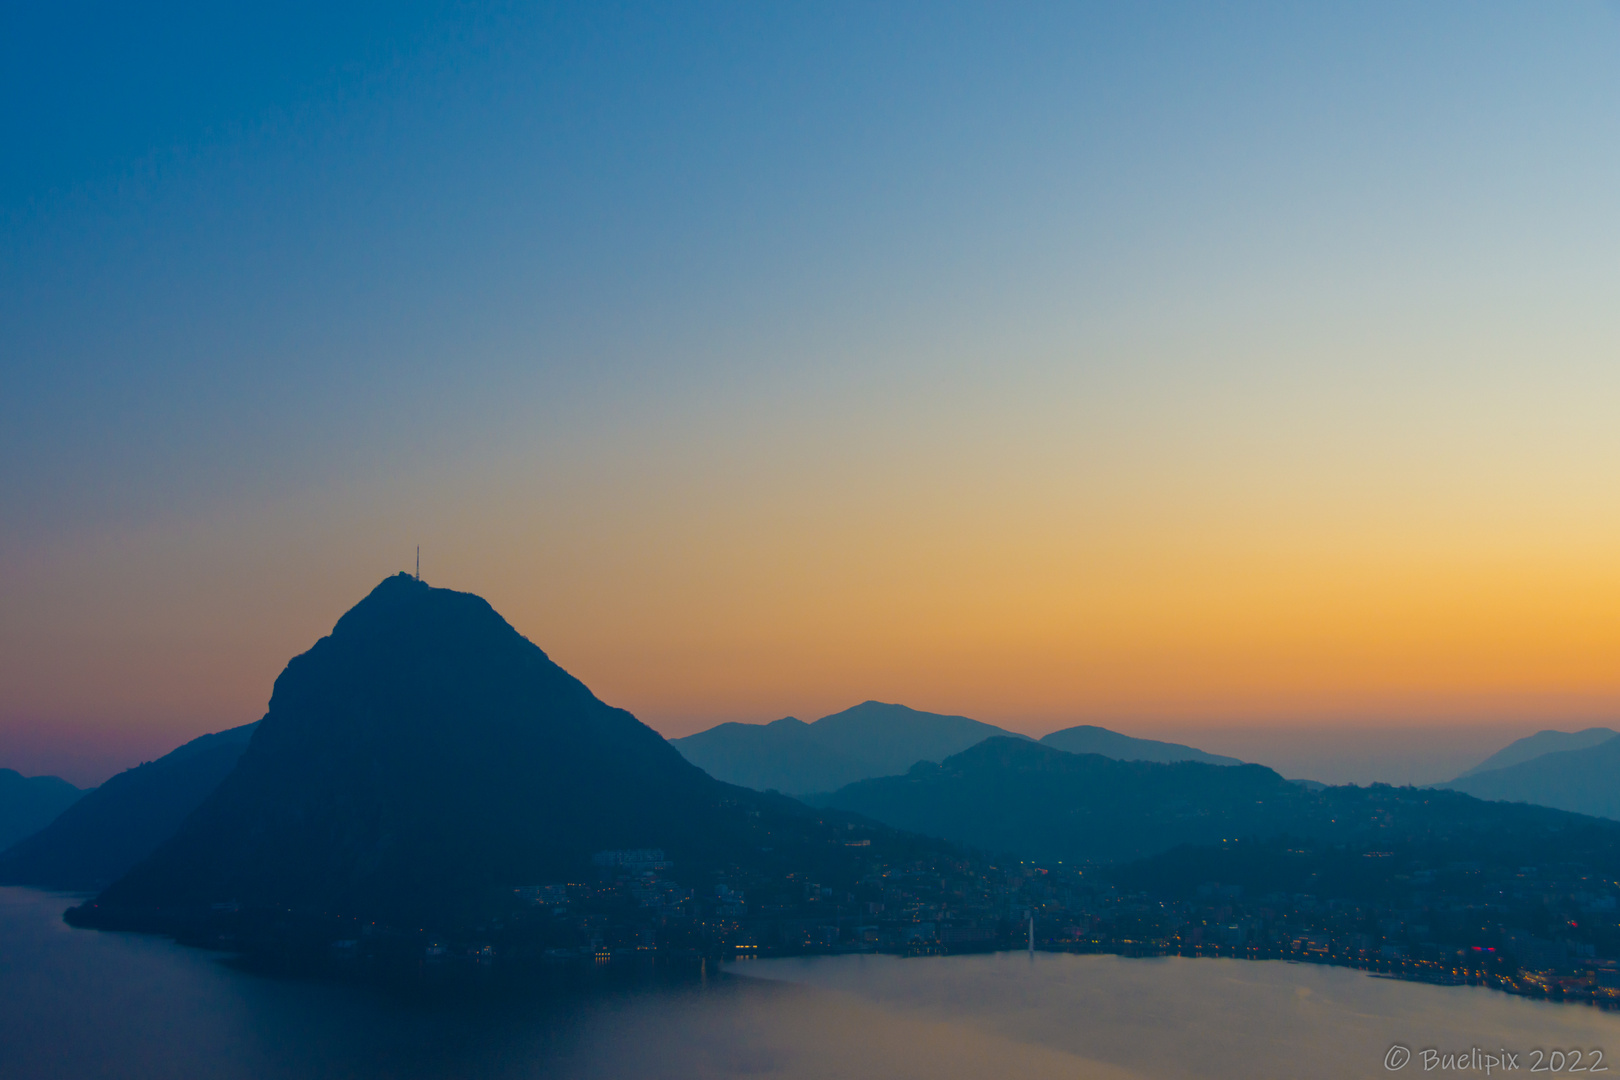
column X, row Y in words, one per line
column 1031, row 628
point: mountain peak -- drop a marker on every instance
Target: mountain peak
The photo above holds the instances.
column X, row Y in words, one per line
column 1583, row 777
column 1091, row 739
column 1006, row 750
column 788, row 723
column 1539, row 744
column 880, row 738
column 1010, row 794
column 423, row 753
column 874, row 738
column 401, row 598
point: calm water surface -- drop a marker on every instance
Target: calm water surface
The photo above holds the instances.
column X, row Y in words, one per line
column 85, row 1004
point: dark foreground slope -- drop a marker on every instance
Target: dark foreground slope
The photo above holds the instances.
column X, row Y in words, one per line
column 1586, row 781
column 97, row 839
column 1036, row 802
column 28, row 803
column 424, row 760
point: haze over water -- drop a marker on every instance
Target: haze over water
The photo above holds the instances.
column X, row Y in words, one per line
column 88, row 1004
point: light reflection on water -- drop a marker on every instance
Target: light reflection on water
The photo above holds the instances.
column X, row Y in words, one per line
column 1172, row 1017
column 85, row 1004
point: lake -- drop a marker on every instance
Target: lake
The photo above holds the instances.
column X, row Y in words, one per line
column 86, row 1004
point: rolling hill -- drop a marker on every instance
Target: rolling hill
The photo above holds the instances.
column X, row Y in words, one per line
column 878, row 739
column 1542, row 742
column 1585, row 781
column 29, row 803
column 1032, row 801
column 114, row 827
column 1090, row 739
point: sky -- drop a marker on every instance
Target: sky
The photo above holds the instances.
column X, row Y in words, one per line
column 1239, row 372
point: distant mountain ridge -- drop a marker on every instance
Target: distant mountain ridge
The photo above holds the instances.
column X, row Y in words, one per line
column 1090, row 739
column 98, row 838
column 1036, row 801
column 874, row 738
column 880, row 739
column 1542, row 742
column 1033, row 801
column 1584, row 780
column 29, row 803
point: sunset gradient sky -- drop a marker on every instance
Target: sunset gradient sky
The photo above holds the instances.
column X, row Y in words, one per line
column 1193, row 369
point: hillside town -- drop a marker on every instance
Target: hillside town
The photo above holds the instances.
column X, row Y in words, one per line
column 1551, row 931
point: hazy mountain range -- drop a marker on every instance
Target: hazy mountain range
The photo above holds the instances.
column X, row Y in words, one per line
column 1035, row 801
column 1582, row 774
column 1542, row 742
column 871, row 739
column 1019, row 797
column 109, row 830
column 28, row 803
column 1088, row 739
column 879, row 739
column 425, row 754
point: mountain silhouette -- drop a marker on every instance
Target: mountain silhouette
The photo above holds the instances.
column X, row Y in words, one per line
column 1089, row 739
column 99, row 837
column 1585, row 780
column 872, row 739
column 784, row 755
column 1033, row 801
column 29, row 803
column 424, row 758
column 1542, row 742
column 879, row 739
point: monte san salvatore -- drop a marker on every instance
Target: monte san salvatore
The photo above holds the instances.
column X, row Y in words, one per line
column 425, row 769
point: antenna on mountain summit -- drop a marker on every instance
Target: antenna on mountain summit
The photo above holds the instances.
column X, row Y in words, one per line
column 418, row 562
